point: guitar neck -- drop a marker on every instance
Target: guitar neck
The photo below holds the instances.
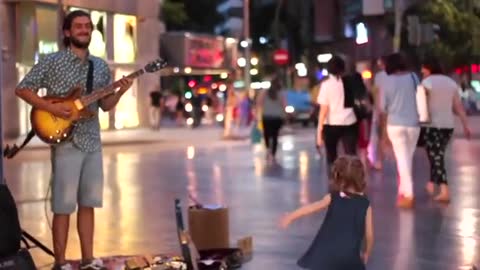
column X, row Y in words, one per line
column 108, row 90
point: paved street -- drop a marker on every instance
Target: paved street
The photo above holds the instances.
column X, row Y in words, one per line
column 142, row 180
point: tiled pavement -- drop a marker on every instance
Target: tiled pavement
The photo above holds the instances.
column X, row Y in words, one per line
column 142, row 180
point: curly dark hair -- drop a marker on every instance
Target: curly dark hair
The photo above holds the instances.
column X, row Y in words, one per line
column 348, row 173
column 67, row 23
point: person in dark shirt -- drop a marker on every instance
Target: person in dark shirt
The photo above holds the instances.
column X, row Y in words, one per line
column 363, row 112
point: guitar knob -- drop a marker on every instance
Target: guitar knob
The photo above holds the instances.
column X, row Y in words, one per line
column 57, row 131
column 51, row 137
column 64, row 135
column 58, row 140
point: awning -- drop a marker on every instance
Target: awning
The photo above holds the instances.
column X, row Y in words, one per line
column 177, row 71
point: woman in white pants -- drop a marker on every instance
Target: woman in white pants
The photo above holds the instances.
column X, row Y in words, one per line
column 400, row 109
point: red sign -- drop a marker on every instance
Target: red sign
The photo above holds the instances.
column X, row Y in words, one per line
column 281, row 57
column 205, row 52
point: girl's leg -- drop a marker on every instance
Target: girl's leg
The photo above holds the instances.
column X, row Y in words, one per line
column 350, row 139
column 363, row 142
column 412, row 140
column 331, row 136
column 267, row 131
column 399, row 138
column 436, row 151
column 277, row 125
column 430, row 141
column 374, row 141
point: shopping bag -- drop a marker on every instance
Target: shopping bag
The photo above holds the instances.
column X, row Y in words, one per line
column 422, row 104
column 256, row 134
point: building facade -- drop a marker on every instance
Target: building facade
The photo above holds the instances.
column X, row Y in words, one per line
column 355, row 28
column 232, row 13
column 126, row 34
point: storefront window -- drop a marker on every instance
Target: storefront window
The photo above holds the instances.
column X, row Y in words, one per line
column 98, row 43
column 47, row 20
column 37, row 31
column 388, row 4
column 125, row 28
column 104, row 119
column 126, row 111
column 25, row 108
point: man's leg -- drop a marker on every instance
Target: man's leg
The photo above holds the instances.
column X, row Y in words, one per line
column 90, row 194
column 60, row 227
column 66, row 166
column 85, row 225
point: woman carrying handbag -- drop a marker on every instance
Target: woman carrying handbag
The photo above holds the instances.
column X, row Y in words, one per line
column 399, row 110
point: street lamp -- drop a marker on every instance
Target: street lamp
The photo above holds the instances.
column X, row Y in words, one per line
column 246, row 34
column 399, row 9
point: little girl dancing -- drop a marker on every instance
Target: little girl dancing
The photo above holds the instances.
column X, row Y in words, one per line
column 347, row 224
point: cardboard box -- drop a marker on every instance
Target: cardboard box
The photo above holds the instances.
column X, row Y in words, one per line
column 209, row 228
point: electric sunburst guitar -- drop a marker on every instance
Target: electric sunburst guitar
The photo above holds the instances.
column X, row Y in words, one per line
column 53, row 130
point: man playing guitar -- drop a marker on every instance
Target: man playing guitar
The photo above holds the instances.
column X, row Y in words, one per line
column 77, row 169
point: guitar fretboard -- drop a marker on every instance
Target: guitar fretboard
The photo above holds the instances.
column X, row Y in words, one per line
column 110, row 89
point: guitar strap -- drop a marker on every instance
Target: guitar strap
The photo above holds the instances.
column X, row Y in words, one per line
column 90, row 77
column 10, row 152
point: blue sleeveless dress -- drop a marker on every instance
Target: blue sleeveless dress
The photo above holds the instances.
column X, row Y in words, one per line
column 338, row 244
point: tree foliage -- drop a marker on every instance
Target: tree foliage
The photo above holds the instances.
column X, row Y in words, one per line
column 456, row 21
column 173, row 13
column 191, row 15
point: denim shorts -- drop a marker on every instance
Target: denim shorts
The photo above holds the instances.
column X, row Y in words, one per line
column 77, row 178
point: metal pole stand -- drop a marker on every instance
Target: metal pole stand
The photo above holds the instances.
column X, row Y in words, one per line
column 28, row 237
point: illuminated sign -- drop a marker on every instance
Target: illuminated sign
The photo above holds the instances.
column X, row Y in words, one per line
column 476, row 86
column 362, row 33
column 205, row 52
column 45, row 47
column 324, row 58
column 202, row 90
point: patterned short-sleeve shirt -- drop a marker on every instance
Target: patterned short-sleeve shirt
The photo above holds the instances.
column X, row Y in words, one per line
column 58, row 73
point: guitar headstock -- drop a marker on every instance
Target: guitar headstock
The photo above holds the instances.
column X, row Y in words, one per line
column 156, row 65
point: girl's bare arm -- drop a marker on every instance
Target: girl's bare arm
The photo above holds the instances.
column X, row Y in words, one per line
column 306, row 210
column 368, row 234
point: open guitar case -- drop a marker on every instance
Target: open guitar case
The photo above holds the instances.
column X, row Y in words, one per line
column 207, row 259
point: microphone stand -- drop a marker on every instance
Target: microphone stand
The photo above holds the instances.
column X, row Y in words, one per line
column 25, row 235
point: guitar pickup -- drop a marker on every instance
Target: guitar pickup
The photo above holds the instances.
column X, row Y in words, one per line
column 78, row 104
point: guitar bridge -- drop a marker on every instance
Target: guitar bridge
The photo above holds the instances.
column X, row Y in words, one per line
column 78, row 104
